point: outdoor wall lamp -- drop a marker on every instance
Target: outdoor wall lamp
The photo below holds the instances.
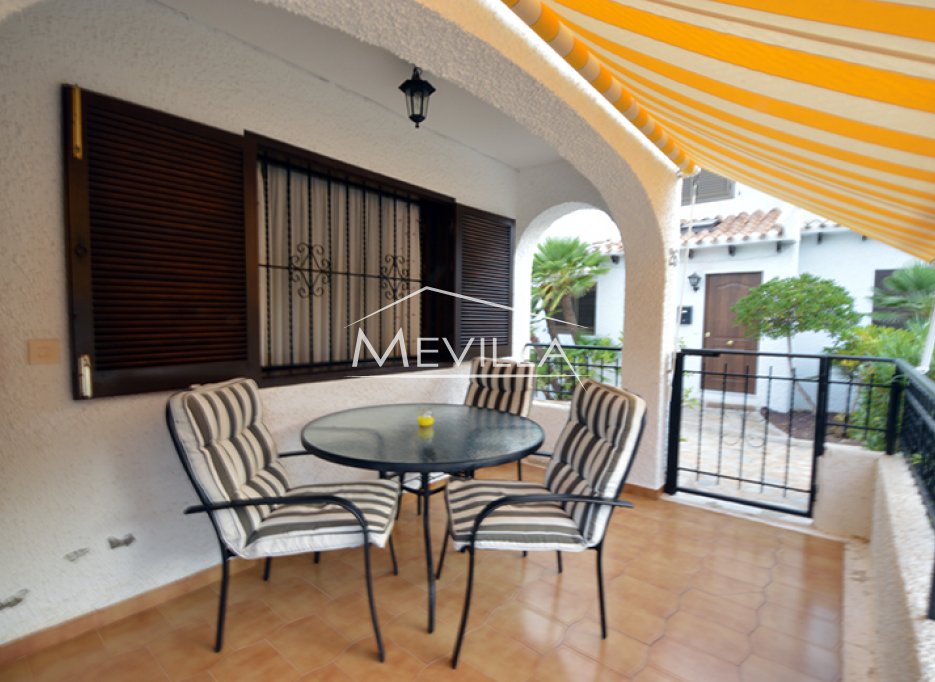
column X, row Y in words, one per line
column 695, row 280
column 417, row 93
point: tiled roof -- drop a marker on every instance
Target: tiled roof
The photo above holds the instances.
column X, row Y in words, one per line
column 734, row 229
column 743, row 227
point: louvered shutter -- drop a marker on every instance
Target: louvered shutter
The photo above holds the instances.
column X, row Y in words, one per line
column 708, row 187
column 485, row 259
column 157, row 248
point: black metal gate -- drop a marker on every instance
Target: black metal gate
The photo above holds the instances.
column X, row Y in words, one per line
column 760, row 446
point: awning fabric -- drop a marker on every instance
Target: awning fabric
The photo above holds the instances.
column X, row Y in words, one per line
column 829, row 105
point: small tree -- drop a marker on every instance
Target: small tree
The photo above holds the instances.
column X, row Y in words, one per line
column 782, row 308
column 907, row 294
column 563, row 269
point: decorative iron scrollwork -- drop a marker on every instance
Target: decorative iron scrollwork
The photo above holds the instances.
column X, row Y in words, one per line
column 394, row 277
column 310, row 269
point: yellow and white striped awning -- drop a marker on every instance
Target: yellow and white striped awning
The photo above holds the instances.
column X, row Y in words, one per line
column 828, row 104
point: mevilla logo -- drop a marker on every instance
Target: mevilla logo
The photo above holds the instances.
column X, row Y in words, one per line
column 427, row 351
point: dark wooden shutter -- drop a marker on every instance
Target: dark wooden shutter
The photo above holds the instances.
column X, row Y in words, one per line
column 157, row 248
column 708, row 187
column 485, row 271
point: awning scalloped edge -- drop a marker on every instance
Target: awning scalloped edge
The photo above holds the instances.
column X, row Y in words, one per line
column 549, row 26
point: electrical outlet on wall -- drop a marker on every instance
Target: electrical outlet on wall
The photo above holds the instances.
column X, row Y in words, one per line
column 43, row 351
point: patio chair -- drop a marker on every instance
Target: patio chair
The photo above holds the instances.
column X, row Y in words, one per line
column 255, row 510
column 571, row 511
column 503, row 385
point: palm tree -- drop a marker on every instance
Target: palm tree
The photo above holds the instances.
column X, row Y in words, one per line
column 562, row 270
column 907, row 294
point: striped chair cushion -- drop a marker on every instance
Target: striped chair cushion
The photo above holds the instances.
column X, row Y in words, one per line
column 521, row 527
column 595, row 450
column 503, row 385
column 289, row 529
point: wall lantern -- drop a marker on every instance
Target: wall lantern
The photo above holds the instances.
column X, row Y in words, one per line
column 417, row 93
column 695, row 280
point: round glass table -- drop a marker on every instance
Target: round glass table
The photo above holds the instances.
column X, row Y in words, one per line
column 388, row 439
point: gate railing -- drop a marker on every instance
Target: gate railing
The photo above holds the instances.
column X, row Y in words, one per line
column 758, row 445
column 556, row 375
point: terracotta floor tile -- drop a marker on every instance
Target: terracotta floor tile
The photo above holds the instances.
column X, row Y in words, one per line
column 441, row 671
column 796, row 653
column 564, row 664
column 17, row 671
column 528, row 626
column 708, row 635
column 256, row 663
column 801, row 624
column 497, row 656
column 331, row 673
column 64, row 661
column 137, row 665
column 699, row 574
column 134, row 632
column 309, row 643
column 740, row 618
column 291, row 598
column 248, row 622
column 551, row 600
column 185, row 651
column 651, row 674
column 825, row 605
column 360, row 662
column 618, row 652
column 689, row 664
column 350, row 615
column 734, row 590
column 661, row 573
column 625, row 591
column 758, row 669
column 200, row 606
column 738, row 570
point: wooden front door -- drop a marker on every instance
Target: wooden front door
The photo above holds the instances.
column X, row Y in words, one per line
column 722, row 331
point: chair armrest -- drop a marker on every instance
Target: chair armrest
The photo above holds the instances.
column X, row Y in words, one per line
column 533, row 499
column 279, row 500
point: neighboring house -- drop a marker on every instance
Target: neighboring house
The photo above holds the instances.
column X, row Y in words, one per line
column 725, row 255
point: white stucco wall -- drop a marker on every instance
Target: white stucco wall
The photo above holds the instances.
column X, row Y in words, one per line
column 846, row 484
column 902, row 548
column 78, row 472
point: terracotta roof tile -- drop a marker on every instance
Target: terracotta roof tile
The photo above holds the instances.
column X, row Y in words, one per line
column 742, row 227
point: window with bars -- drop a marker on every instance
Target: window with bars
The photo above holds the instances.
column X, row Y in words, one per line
column 197, row 254
column 337, row 259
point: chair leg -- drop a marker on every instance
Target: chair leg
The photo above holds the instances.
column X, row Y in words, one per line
column 441, row 559
column 317, row 557
column 467, row 608
column 519, row 470
column 558, row 555
column 267, row 567
column 393, row 557
column 373, row 606
column 222, row 607
column 600, row 591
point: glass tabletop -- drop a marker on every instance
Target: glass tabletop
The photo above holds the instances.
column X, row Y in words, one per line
column 389, row 438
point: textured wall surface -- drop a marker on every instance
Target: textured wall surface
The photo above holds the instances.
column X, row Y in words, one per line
column 902, row 547
column 78, row 472
column 846, row 477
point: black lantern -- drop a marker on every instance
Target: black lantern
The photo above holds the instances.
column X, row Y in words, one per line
column 417, row 93
column 695, row 280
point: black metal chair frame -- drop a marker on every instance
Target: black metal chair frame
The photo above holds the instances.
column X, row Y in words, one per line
column 491, row 506
column 210, row 508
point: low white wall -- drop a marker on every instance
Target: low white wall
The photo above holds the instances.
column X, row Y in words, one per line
column 846, row 478
column 902, row 549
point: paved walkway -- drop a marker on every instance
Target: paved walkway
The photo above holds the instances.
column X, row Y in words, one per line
column 728, row 444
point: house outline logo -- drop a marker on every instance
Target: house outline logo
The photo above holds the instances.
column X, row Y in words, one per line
column 399, row 338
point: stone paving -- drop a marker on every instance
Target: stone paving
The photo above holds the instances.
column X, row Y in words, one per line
column 736, row 443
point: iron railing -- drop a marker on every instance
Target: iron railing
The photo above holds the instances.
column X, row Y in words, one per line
column 744, row 427
column 559, row 367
